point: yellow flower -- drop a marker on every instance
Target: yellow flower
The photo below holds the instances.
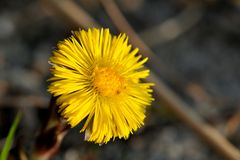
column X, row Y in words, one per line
column 97, row 79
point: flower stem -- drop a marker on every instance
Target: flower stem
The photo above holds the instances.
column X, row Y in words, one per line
column 50, row 137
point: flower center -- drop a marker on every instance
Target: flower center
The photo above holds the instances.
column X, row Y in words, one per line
column 107, row 81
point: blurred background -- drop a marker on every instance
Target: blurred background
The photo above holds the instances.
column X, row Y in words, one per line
column 198, row 46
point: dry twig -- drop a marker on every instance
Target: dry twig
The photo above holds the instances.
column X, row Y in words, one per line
column 232, row 124
column 24, row 101
column 71, row 10
column 190, row 118
column 173, row 27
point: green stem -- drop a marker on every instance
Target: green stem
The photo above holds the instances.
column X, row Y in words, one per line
column 10, row 137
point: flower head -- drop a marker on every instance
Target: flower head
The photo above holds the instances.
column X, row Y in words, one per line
column 97, row 79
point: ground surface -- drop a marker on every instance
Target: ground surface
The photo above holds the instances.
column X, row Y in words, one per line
column 205, row 58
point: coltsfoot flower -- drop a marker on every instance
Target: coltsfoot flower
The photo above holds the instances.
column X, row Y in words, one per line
column 97, row 79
